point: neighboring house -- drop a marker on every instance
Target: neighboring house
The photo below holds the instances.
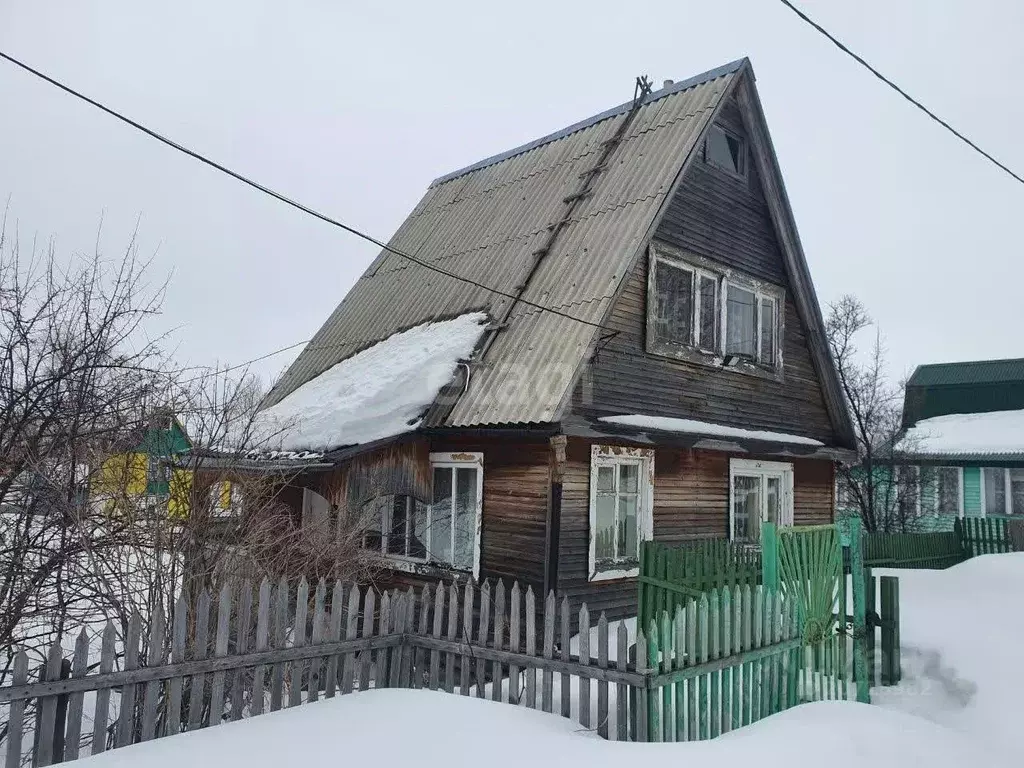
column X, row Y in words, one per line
column 680, row 387
column 145, row 475
column 964, row 437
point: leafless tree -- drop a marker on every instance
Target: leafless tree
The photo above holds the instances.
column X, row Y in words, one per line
column 876, row 487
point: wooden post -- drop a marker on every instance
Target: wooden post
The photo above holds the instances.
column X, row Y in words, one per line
column 770, row 556
column 860, row 656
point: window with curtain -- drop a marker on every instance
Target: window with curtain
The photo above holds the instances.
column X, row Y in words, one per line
column 620, row 509
column 443, row 532
column 948, row 493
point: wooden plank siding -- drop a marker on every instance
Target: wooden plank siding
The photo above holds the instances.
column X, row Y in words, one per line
column 724, row 219
column 691, row 500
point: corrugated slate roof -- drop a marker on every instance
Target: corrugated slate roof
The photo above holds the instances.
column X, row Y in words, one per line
column 485, row 222
column 969, row 372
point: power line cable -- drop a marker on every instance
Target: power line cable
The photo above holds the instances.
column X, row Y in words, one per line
column 280, row 197
column 860, row 60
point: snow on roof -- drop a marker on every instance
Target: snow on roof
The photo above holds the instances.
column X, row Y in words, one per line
column 695, row 427
column 377, row 393
column 998, row 432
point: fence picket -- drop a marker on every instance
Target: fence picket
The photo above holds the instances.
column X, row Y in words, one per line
column 691, row 660
column 280, row 641
column 514, row 635
column 565, row 636
column 467, row 637
column 348, row 670
column 199, row 651
column 102, row 711
column 452, row 633
column 243, row 628
column 297, row 668
column 16, row 713
column 481, row 637
column 381, row 679
column 651, row 697
column 499, row 640
column 126, row 717
column 434, row 682
column 369, row 608
column 262, row 643
column 621, row 689
column 408, row 655
column 548, row 651
column 220, row 649
column 332, row 677
column 316, row 667
column 156, row 653
column 727, row 649
column 531, row 647
column 678, row 662
column 420, row 672
column 715, row 678
column 584, row 660
column 79, row 668
column 48, row 707
column 640, row 699
column 602, row 685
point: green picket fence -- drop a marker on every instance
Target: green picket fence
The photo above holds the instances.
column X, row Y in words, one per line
column 913, row 550
column 983, row 536
column 670, row 575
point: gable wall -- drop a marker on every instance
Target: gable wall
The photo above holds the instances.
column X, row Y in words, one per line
column 722, row 218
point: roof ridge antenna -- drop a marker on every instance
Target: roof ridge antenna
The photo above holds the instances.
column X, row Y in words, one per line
column 641, row 90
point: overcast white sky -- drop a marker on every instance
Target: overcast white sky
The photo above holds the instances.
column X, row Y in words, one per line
column 354, row 108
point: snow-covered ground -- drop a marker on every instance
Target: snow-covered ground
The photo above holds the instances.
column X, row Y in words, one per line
column 960, row 705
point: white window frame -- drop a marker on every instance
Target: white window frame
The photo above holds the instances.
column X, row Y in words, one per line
column 764, row 470
column 691, row 349
column 1007, row 490
column 443, row 460
column 934, row 507
column 615, row 456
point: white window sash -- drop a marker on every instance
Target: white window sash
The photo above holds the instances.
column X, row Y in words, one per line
column 604, row 456
column 451, row 462
column 762, row 470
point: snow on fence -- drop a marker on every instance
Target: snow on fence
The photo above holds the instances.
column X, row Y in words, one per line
column 720, row 662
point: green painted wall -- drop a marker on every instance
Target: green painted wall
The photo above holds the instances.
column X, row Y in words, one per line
column 972, row 492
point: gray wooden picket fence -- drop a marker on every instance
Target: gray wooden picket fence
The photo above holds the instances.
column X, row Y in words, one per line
column 270, row 647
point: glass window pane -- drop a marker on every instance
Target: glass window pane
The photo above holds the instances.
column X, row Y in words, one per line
column 995, row 490
column 725, row 150
column 396, row 542
column 673, row 289
column 441, row 516
column 606, row 479
column 1017, row 491
column 628, row 476
column 465, row 516
column 627, row 528
column 773, row 497
column 740, row 338
column 418, row 533
column 747, row 507
column 373, row 521
column 708, row 314
column 948, row 491
column 768, row 331
column 604, row 528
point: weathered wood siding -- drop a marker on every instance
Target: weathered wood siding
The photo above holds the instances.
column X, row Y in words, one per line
column 725, row 219
column 691, row 500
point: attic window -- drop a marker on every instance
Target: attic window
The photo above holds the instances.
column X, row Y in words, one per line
column 712, row 315
column 726, row 150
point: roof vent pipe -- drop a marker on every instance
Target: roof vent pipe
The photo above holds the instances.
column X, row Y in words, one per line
column 668, row 83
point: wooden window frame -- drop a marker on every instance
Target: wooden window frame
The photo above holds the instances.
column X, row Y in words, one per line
column 935, row 481
column 690, row 351
column 742, row 173
column 420, row 565
column 609, row 455
column 1007, row 491
column 762, row 470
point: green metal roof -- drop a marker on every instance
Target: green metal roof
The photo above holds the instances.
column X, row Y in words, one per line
column 978, row 386
column 970, row 372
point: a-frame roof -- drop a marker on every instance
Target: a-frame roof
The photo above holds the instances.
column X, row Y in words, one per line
column 489, row 223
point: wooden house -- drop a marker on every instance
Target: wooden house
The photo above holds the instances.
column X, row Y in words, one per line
column 963, row 442
column 616, row 337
